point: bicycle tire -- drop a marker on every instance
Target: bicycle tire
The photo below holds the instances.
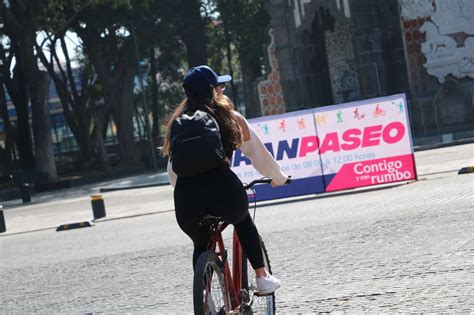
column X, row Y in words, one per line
column 262, row 304
column 209, row 297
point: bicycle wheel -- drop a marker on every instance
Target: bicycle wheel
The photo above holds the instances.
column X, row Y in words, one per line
column 261, row 304
column 209, row 291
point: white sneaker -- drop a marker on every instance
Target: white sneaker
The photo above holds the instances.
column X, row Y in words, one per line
column 267, row 285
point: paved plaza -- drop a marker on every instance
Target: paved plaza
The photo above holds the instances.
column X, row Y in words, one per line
column 403, row 248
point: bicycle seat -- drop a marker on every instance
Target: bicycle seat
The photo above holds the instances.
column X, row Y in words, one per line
column 210, row 220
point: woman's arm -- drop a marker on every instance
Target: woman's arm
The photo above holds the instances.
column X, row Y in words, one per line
column 255, row 150
column 171, row 175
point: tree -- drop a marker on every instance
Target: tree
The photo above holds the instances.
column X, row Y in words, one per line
column 5, row 154
column 115, row 74
column 191, row 29
column 112, row 34
column 220, row 45
column 245, row 21
column 21, row 25
column 166, row 69
column 162, row 31
column 73, row 88
column 110, row 49
column 112, row 40
column 166, row 36
column 16, row 87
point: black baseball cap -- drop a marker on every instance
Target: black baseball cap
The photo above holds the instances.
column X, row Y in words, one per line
column 198, row 80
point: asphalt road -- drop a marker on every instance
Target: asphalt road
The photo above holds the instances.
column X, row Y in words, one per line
column 406, row 248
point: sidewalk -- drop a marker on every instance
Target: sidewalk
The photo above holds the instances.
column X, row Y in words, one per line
column 151, row 194
column 50, row 209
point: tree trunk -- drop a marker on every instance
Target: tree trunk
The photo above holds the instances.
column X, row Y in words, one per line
column 6, row 157
column 38, row 88
column 118, row 82
column 73, row 104
column 123, row 116
column 98, row 139
column 250, row 72
column 83, row 139
column 20, row 25
column 193, row 33
column 44, row 150
column 155, row 131
column 4, row 110
column 229, row 63
column 19, row 95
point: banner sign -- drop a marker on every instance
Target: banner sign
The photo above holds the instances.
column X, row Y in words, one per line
column 335, row 147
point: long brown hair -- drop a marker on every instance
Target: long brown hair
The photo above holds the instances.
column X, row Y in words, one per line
column 221, row 108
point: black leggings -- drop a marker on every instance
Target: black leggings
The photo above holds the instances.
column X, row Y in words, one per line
column 220, row 193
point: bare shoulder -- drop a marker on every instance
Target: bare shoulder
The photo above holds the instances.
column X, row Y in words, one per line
column 243, row 125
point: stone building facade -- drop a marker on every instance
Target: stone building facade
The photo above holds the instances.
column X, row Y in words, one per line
column 336, row 51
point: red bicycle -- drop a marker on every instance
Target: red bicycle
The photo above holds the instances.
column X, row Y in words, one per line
column 217, row 290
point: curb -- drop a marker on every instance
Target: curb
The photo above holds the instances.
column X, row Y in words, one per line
column 442, row 145
column 92, row 223
column 108, row 189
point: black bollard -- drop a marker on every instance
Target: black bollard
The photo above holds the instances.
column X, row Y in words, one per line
column 3, row 228
column 25, row 192
column 98, row 207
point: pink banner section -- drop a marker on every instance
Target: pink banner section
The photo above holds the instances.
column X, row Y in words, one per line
column 374, row 172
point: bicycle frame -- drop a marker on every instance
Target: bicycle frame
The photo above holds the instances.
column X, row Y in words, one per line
column 233, row 281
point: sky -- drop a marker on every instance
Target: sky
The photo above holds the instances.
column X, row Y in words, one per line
column 72, row 41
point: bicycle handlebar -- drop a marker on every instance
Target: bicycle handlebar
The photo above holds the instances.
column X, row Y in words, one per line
column 264, row 180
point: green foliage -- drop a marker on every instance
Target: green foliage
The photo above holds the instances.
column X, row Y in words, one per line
column 121, row 28
column 217, row 46
column 246, row 21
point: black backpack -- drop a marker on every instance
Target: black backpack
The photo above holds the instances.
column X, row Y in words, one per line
column 196, row 145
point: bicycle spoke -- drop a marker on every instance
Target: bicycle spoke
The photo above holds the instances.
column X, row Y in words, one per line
column 213, row 291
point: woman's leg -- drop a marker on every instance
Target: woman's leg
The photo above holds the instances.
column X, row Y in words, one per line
column 250, row 241
column 199, row 248
column 188, row 214
column 199, row 237
column 231, row 203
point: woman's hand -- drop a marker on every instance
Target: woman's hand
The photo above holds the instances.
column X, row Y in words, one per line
column 277, row 184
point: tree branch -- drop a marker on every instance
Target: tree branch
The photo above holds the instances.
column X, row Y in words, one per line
column 61, row 89
column 12, row 26
column 71, row 20
column 72, row 82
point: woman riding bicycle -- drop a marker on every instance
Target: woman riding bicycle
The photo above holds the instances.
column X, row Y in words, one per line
column 219, row 192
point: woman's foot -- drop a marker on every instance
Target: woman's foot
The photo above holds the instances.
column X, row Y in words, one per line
column 267, row 285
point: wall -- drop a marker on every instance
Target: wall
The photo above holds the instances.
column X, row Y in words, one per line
column 333, row 51
column 440, row 57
